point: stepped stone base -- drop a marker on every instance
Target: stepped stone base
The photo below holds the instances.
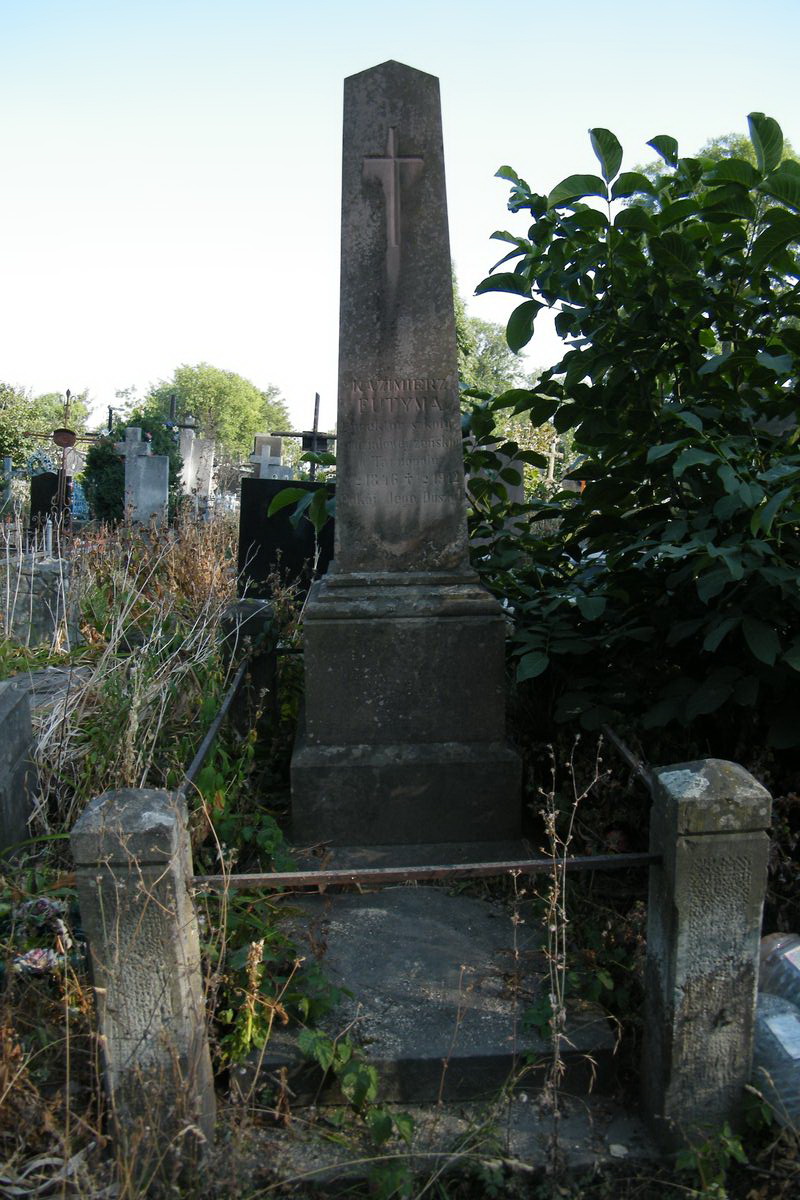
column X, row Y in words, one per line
column 402, row 739
column 373, row 795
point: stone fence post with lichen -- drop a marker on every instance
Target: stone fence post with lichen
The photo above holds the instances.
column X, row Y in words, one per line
column 133, row 868
column 709, row 821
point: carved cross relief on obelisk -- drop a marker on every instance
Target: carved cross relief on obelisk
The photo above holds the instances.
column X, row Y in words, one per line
column 393, row 171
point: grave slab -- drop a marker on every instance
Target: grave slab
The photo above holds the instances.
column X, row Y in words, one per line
column 440, row 985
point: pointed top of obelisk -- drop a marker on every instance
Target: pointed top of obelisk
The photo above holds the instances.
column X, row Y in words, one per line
column 392, row 68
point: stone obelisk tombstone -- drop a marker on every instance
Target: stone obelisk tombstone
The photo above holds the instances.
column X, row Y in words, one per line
column 404, row 729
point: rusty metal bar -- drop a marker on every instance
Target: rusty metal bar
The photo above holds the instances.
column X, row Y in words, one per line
column 388, row 875
column 637, row 766
column 213, row 729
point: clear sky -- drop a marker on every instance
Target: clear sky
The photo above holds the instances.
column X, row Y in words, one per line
column 170, row 169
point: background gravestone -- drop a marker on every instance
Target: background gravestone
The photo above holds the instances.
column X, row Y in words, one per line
column 273, row 544
column 146, row 480
column 44, row 488
column 404, row 737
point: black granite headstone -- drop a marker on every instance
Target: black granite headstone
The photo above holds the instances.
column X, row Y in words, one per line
column 270, row 544
column 43, row 498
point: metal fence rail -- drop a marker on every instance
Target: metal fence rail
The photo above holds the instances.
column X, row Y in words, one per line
column 208, row 741
column 388, row 875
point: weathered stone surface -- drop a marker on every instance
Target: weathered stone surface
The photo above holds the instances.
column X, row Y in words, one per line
column 704, row 923
column 146, row 480
column 133, row 863
column 459, row 1142
column 379, row 645
column 197, row 472
column 439, row 985
column 18, row 778
column 711, row 796
column 404, row 650
column 428, row 792
column 36, row 604
column 400, row 466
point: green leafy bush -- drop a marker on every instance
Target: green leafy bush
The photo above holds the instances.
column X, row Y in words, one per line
column 668, row 590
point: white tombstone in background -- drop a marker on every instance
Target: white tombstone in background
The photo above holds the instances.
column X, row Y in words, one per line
column 267, row 458
column 197, row 473
column 146, row 480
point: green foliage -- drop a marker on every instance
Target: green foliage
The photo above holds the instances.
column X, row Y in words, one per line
column 710, row 1161
column 225, row 405
column 22, row 414
column 49, row 410
column 736, row 150
column 358, row 1081
column 669, row 591
column 104, row 479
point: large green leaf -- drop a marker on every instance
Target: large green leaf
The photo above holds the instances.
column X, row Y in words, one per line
column 636, row 218
column 574, row 187
column 774, row 239
column 532, row 664
column 766, row 515
column 781, row 364
column 674, row 253
column 663, row 449
column 767, row 139
column 784, row 184
column 608, row 150
column 719, row 629
column 733, row 170
column 288, row 496
column 710, row 696
column 591, row 607
column 631, row 182
column 504, row 281
column 676, row 211
column 666, row 147
column 519, row 329
column 762, row 639
column 792, row 656
column 729, row 201
column 711, row 583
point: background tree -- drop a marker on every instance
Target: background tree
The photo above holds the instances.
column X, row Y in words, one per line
column 226, row 406
column 49, row 410
column 14, row 417
column 21, row 413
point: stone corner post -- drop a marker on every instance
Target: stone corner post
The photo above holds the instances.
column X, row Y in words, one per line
column 133, row 863
column 708, row 822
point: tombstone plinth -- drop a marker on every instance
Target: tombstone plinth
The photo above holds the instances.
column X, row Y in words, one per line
column 403, row 738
